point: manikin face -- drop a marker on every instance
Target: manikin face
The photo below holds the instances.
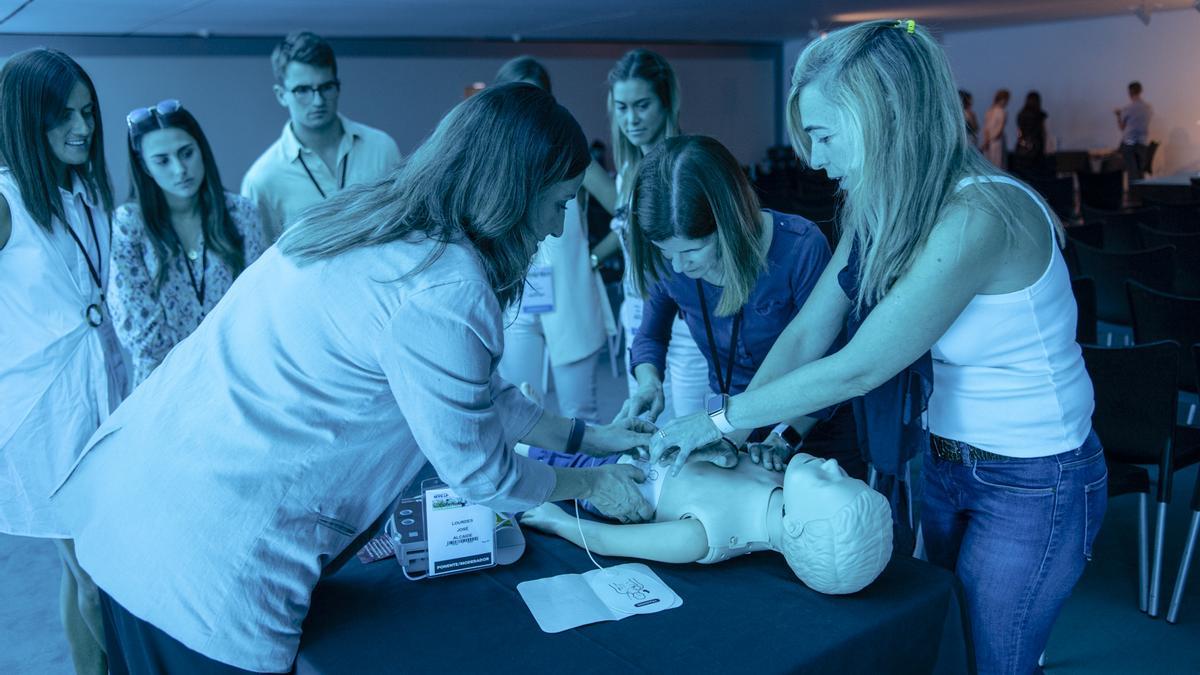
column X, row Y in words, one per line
column 71, row 139
column 312, row 111
column 546, row 216
column 836, row 146
column 172, row 158
column 640, row 114
column 694, row 258
column 815, row 489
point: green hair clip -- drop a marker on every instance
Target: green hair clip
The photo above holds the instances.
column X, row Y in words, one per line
column 909, row 25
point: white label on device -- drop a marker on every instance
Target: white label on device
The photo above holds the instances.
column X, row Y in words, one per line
column 461, row 536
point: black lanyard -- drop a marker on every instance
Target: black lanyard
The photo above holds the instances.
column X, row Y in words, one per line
column 311, row 177
column 93, row 268
column 726, row 382
column 92, row 312
column 198, row 289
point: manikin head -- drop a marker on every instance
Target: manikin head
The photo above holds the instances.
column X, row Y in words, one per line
column 837, row 531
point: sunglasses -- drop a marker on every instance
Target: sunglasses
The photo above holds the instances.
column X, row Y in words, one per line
column 140, row 115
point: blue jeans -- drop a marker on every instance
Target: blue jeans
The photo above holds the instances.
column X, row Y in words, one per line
column 1017, row 533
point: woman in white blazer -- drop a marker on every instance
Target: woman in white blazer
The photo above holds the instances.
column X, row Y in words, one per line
column 61, row 370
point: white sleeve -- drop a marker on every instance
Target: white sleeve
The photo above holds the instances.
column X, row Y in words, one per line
column 440, row 360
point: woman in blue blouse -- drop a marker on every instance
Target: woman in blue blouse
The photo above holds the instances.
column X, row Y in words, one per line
column 738, row 275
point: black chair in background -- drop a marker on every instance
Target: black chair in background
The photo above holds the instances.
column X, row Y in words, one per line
column 1084, row 290
column 1120, row 227
column 1189, row 547
column 1152, row 267
column 1162, row 316
column 1102, row 190
column 1059, row 193
column 1072, row 161
column 1187, row 257
column 1089, row 234
column 1176, row 216
column 1134, row 417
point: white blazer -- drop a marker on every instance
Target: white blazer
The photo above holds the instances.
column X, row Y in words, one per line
column 59, row 376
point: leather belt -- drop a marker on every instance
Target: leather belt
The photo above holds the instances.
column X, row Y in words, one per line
column 952, row 451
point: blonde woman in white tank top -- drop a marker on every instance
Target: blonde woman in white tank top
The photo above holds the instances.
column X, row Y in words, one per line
column 945, row 273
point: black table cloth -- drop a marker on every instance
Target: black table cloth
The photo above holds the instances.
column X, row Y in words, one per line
column 749, row 614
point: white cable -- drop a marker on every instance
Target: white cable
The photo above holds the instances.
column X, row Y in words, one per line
column 579, row 524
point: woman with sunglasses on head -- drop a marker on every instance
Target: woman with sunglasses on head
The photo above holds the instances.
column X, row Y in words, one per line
column 643, row 109
column 61, row 370
column 951, row 285
column 178, row 247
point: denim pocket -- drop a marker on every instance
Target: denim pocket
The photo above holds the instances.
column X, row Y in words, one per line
column 1095, row 502
column 1027, row 478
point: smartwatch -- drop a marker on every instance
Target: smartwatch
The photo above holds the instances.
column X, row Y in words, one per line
column 789, row 435
column 716, row 405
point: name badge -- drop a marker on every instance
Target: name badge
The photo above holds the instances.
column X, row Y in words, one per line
column 461, row 535
column 539, row 291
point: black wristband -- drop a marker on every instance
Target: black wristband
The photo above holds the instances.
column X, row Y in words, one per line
column 793, row 438
column 575, row 440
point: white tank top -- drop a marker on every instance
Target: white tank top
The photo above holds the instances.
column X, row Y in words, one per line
column 1008, row 376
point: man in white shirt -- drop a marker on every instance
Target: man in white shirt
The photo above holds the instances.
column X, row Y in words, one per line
column 1134, row 122
column 319, row 151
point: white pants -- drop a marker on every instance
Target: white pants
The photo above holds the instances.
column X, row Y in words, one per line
column 524, row 360
column 685, row 384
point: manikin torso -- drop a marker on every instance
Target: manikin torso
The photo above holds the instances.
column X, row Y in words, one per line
column 733, row 505
column 739, row 507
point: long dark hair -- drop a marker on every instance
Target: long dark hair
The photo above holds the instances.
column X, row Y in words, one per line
column 523, row 69
column 34, row 88
column 640, row 64
column 219, row 232
column 478, row 175
column 692, row 187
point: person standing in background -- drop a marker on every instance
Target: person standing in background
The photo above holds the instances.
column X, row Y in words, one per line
column 61, row 369
column 1029, row 158
column 1134, row 122
column 643, row 109
column 178, row 246
column 319, row 151
column 969, row 116
column 994, row 145
column 567, row 326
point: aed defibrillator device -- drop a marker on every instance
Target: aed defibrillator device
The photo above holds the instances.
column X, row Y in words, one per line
column 437, row 533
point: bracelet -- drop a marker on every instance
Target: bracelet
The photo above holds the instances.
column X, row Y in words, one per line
column 575, row 440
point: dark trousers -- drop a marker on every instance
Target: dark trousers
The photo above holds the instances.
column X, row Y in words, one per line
column 136, row 647
column 1135, row 160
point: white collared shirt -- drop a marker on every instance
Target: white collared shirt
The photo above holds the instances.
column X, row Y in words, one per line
column 280, row 185
column 59, row 376
column 283, row 427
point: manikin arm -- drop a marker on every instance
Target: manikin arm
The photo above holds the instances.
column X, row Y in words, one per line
column 673, row 541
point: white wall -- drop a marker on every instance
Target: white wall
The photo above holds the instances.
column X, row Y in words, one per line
column 404, row 88
column 1081, row 69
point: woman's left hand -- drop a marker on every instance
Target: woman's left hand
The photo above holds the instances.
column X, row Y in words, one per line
column 682, row 436
column 630, row 435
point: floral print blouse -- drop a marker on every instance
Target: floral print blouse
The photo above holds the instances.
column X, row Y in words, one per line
column 148, row 322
